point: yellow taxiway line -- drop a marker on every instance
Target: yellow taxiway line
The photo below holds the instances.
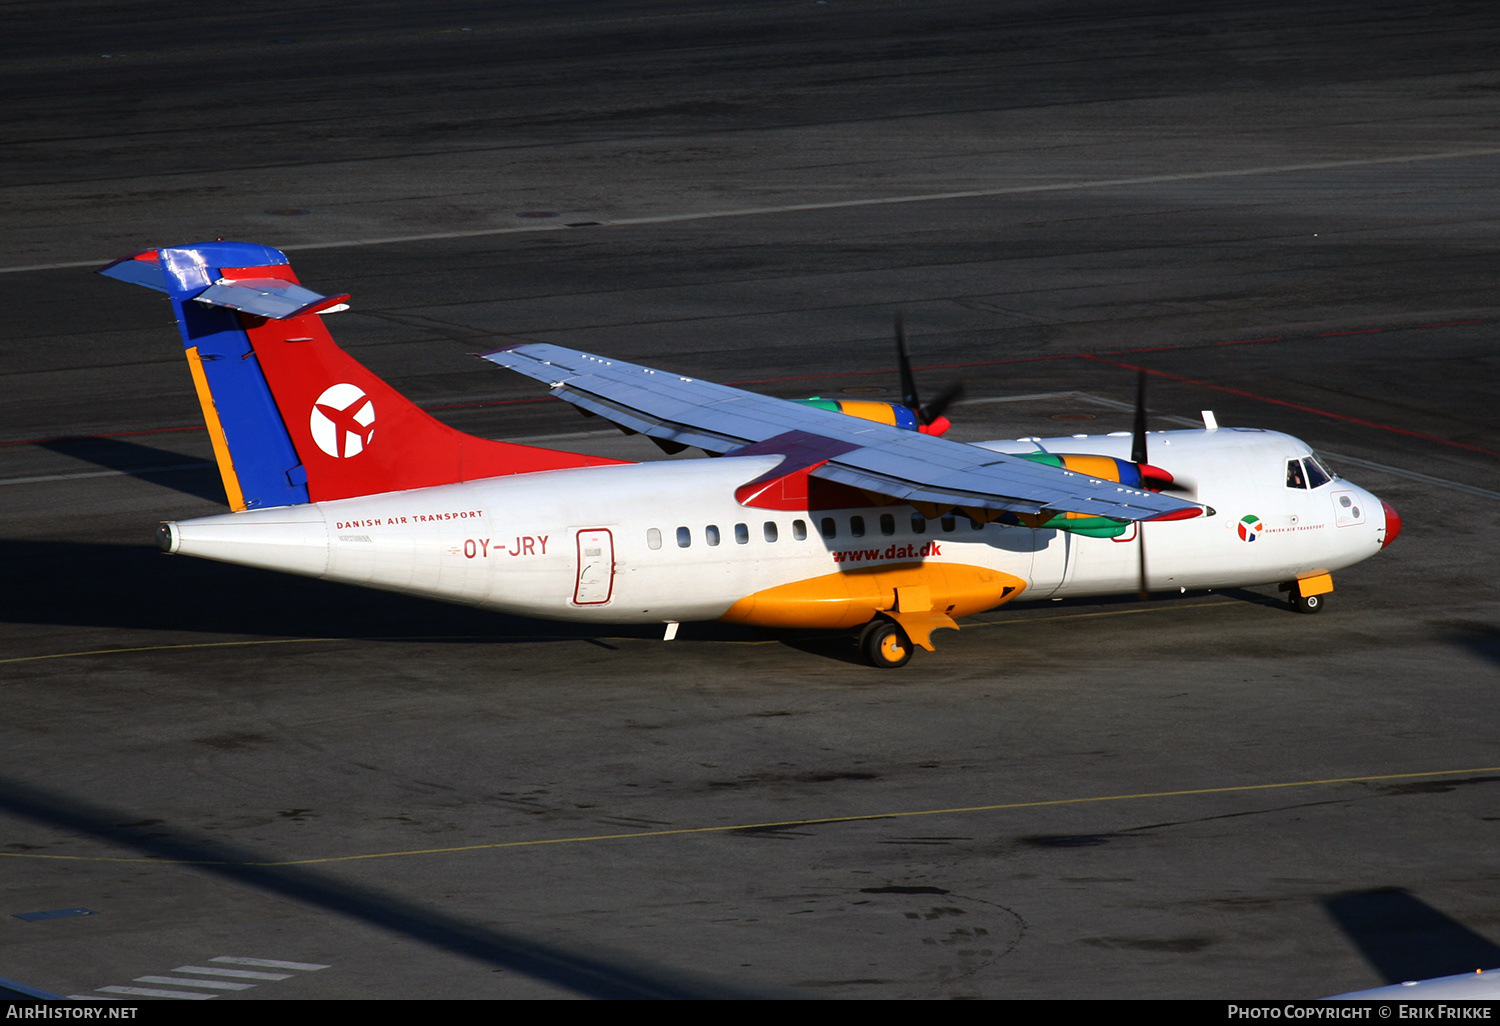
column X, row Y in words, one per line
column 780, row 824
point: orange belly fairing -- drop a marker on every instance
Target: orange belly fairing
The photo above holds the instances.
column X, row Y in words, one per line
column 853, row 597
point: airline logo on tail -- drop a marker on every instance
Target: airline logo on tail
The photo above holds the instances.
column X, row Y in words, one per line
column 342, row 421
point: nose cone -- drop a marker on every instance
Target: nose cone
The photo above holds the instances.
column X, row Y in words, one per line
column 1392, row 523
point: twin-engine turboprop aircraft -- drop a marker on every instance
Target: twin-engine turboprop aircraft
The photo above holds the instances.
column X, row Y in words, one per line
column 819, row 515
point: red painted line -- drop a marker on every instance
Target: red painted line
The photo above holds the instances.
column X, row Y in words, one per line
column 892, row 371
column 926, row 367
column 169, row 430
column 108, row 434
column 1296, row 406
column 489, row 402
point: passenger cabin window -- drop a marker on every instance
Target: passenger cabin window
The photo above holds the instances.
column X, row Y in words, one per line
column 741, row 534
column 857, row 526
column 684, row 537
column 711, row 534
column 949, row 524
column 653, row 538
column 799, row 530
column 829, row 528
column 918, row 524
column 976, row 525
column 887, row 524
column 770, row 530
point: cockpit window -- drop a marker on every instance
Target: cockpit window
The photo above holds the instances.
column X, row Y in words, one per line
column 1294, row 475
column 1317, row 476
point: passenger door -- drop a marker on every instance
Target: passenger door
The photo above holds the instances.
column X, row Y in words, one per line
column 596, row 567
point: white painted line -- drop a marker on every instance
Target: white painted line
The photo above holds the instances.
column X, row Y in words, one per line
column 566, row 435
column 238, row 974
column 103, row 473
column 1411, row 475
column 208, row 984
column 1022, row 398
column 930, row 197
column 1382, row 468
column 270, row 963
column 148, row 992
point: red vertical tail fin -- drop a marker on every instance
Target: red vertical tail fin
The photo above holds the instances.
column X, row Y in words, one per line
column 271, row 379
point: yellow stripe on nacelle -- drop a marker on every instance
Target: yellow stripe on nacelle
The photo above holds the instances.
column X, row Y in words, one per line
column 866, row 409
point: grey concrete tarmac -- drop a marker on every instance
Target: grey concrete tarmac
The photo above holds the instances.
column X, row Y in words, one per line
column 1285, row 211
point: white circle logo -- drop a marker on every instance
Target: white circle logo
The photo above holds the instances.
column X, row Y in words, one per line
column 342, row 421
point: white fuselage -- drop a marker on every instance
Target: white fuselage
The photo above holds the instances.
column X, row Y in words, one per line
column 666, row 541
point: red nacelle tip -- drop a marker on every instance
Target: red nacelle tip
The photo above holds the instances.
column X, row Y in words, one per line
column 1179, row 514
column 938, row 426
column 1154, row 473
column 1392, row 523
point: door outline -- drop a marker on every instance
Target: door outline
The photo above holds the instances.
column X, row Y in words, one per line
column 586, row 592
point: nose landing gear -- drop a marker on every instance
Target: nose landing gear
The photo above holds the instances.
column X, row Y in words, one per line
column 1307, row 594
column 1306, row 603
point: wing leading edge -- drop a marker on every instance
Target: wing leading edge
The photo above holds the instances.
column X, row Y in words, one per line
column 929, row 472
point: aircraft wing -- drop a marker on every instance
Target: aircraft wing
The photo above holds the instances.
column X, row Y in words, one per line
column 903, row 465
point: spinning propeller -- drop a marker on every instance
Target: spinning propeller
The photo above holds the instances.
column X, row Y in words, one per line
column 930, row 419
column 1138, row 457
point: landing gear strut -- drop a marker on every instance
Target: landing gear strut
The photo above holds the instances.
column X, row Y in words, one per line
column 885, row 644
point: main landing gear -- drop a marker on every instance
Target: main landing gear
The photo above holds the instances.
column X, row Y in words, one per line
column 884, row 644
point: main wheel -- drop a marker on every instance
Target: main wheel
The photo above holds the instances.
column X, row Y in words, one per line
column 1307, row 603
column 885, row 644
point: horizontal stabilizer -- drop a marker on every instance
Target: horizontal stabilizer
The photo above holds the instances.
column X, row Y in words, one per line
column 271, row 297
column 267, row 297
column 143, row 269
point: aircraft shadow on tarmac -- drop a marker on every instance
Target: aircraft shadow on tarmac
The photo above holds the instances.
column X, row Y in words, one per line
column 588, row 973
column 137, row 587
column 1404, row 938
column 198, row 478
column 1481, row 639
column 90, row 584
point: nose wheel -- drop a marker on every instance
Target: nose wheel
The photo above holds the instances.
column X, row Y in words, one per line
column 884, row 644
column 1308, row 595
column 1306, row 603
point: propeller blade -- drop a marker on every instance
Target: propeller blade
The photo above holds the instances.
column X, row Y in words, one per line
column 1138, row 440
column 1141, row 591
column 908, row 380
column 929, row 417
column 933, row 410
column 1138, row 455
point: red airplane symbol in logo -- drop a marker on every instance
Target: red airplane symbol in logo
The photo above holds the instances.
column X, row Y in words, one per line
column 346, row 426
